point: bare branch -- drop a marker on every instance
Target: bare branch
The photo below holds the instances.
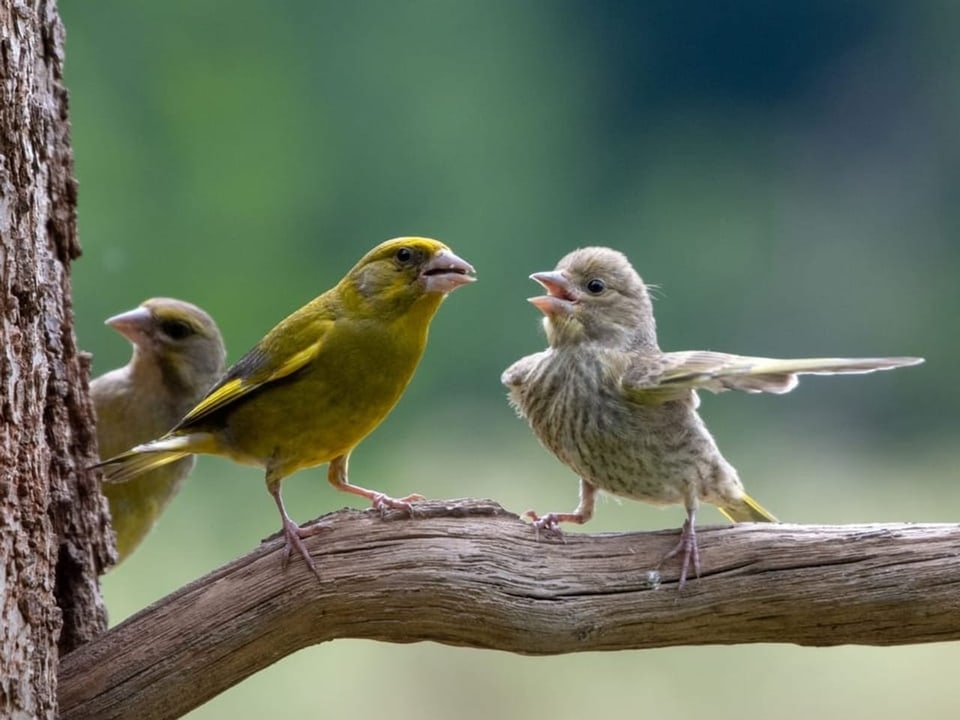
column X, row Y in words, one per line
column 469, row 573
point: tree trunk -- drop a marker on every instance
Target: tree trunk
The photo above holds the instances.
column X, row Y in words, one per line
column 53, row 521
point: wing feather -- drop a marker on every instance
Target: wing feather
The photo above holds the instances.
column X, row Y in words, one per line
column 671, row 375
column 264, row 364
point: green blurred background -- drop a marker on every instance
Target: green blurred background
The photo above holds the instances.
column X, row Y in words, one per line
column 786, row 173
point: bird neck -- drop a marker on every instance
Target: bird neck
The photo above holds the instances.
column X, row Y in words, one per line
column 160, row 369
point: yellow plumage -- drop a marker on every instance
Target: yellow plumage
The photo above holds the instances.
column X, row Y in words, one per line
column 747, row 510
column 322, row 379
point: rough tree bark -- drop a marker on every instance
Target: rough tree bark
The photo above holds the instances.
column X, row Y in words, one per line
column 53, row 521
column 469, row 573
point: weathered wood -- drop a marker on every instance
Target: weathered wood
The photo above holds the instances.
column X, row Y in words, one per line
column 469, row 573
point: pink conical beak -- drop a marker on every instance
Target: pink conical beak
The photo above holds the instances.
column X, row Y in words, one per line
column 132, row 324
column 560, row 297
column 445, row 272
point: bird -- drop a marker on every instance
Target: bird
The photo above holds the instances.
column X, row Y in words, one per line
column 178, row 354
column 320, row 381
column 622, row 414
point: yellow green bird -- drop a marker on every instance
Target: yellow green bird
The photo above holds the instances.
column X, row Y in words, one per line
column 622, row 414
column 321, row 380
column 178, row 355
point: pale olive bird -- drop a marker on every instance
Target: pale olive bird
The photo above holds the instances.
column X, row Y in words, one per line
column 178, row 355
column 321, row 380
column 622, row 414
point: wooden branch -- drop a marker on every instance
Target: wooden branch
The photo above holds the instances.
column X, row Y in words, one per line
column 469, row 573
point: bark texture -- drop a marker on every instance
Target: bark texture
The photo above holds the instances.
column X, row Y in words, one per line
column 53, row 522
column 468, row 573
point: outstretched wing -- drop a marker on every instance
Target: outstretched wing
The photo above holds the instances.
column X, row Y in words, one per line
column 673, row 374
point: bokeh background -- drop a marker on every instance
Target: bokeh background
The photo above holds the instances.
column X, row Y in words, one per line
column 787, row 173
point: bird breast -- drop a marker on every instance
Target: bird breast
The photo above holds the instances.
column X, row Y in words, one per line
column 575, row 406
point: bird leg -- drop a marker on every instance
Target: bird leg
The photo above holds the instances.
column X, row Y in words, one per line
column 293, row 532
column 688, row 544
column 337, row 475
column 584, row 511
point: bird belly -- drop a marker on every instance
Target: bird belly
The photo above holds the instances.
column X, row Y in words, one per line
column 638, row 467
column 661, row 456
column 310, row 419
column 656, row 453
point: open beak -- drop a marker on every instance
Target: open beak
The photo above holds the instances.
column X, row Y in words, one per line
column 445, row 272
column 133, row 324
column 561, row 295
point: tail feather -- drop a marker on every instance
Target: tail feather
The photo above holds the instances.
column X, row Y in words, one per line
column 146, row 457
column 746, row 510
column 133, row 463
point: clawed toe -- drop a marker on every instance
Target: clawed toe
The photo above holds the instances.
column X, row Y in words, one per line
column 545, row 523
column 294, row 535
column 311, row 529
column 383, row 502
column 691, row 553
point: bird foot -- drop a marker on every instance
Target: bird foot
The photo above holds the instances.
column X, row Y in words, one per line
column 551, row 522
column 383, row 502
column 691, row 554
column 294, row 535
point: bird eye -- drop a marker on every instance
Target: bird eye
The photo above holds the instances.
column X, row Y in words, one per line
column 176, row 329
column 404, row 254
column 596, row 286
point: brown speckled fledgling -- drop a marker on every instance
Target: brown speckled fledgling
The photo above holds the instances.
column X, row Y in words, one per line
column 622, row 414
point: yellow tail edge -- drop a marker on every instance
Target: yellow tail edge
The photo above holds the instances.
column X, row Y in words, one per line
column 748, row 510
column 130, row 464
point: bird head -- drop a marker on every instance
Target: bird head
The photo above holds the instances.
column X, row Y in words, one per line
column 594, row 295
column 179, row 337
column 401, row 272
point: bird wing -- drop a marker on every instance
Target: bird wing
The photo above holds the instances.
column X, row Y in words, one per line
column 517, row 374
column 672, row 374
column 268, row 362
